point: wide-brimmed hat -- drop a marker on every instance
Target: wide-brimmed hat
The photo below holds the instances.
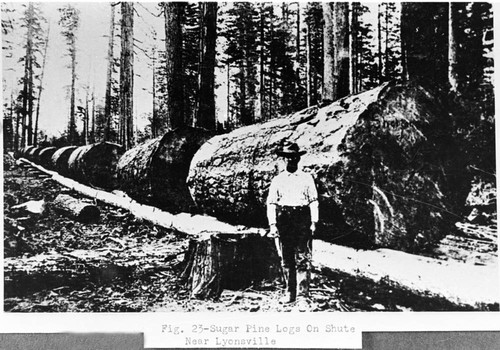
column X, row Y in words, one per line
column 290, row 149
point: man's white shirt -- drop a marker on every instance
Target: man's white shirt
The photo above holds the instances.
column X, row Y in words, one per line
column 292, row 189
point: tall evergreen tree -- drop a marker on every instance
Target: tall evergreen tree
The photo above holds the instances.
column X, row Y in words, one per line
column 206, row 110
column 127, row 74
column 70, row 21
column 424, row 36
column 40, row 86
column 174, row 72
column 364, row 50
column 34, row 39
column 314, row 58
column 336, row 51
column 109, row 76
column 242, row 32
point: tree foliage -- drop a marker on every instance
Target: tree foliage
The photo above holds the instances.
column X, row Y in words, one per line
column 69, row 22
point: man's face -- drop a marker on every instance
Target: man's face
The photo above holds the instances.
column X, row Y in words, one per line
column 292, row 163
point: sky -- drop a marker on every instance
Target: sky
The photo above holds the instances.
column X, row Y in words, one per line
column 92, row 49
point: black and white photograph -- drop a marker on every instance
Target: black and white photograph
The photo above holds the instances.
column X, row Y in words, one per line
column 249, row 157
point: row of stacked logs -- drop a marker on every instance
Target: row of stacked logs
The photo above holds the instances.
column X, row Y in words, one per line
column 384, row 163
column 154, row 172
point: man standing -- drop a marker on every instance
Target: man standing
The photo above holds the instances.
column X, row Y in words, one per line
column 292, row 212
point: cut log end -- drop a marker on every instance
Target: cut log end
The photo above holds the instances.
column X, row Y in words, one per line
column 76, row 209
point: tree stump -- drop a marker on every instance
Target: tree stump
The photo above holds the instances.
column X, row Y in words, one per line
column 77, row 209
column 218, row 261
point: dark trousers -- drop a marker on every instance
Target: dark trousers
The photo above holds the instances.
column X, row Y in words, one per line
column 294, row 228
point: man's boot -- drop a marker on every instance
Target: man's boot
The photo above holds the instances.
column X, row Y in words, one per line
column 291, row 286
column 304, row 278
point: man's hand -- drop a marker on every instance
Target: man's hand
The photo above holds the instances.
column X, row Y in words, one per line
column 313, row 228
column 273, row 231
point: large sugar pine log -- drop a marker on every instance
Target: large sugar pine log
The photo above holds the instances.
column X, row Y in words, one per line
column 59, row 161
column 156, row 171
column 45, row 157
column 95, row 164
column 77, row 209
column 29, row 152
column 218, row 261
column 380, row 159
column 21, row 152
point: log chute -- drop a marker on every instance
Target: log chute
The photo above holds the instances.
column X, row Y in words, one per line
column 155, row 172
column 377, row 159
column 95, row 164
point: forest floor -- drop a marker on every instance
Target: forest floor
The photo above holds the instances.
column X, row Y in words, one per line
column 124, row 264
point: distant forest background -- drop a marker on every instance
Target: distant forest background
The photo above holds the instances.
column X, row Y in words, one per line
column 267, row 59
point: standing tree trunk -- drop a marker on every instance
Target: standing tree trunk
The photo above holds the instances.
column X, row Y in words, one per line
column 379, row 41
column 40, row 89
column 27, row 98
column 336, row 51
column 452, row 49
column 424, row 34
column 30, row 96
column 69, row 21
column 154, row 117
column 127, row 74
column 92, row 139
column 308, row 65
column 72, row 116
column 174, row 97
column 262, row 89
column 86, row 118
column 206, row 110
column 109, row 76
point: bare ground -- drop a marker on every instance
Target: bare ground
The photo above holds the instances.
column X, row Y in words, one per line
column 122, row 264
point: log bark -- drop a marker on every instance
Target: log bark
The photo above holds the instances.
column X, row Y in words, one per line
column 156, row 171
column 77, row 209
column 380, row 160
column 21, row 152
column 59, row 161
column 216, row 261
column 95, row 164
column 45, row 157
column 29, row 152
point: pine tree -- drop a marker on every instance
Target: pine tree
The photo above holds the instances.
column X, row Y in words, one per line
column 127, row 75
column 40, row 87
column 109, row 76
column 31, row 20
column 314, row 55
column 336, row 51
column 174, row 71
column 70, row 21
column 424, row 36
column 242, row 32
column 206, row 110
